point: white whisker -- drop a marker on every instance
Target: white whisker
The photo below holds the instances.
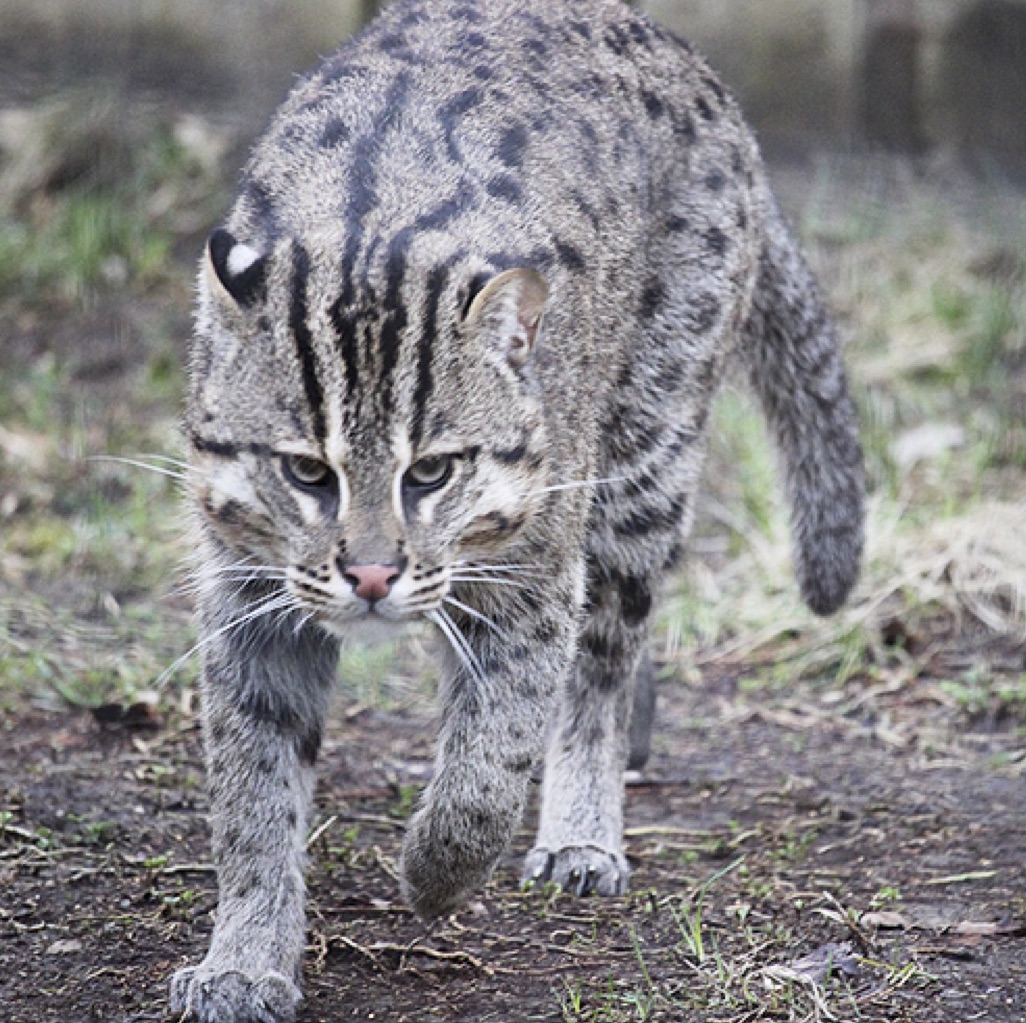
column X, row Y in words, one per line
column 269, row 605
column 303, row 622
column 459, row 645
column 575, row 485
column 524, row 571
column 256, row 572
column 229, row 571
column 510, row 566
column 240, row 573
column 478, row 615
column 245, row 565
column 158, row 469
column 171, row 461
column 490, row 581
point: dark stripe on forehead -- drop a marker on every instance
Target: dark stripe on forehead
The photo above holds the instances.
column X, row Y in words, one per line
column 303, row 339
column 394, row 312
column 343, row 323
column 226, row 449
column 395, row 318
column 363, row 174
column 436, row 282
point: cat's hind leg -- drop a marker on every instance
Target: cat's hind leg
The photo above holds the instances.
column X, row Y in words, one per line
column 642, row 714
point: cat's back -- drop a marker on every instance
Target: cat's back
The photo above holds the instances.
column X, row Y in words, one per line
column 528, row 110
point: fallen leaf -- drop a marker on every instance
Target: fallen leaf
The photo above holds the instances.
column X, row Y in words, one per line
column 63, row 946
column 970, row 927
column 815, row 968
column 885, row 919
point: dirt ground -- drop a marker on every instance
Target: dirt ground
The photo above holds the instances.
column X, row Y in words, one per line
column 830, row 826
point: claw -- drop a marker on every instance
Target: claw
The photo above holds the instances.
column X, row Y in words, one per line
column 581, row 870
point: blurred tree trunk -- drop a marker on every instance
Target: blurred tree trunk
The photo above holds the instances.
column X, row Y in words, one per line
column 892, row 114
column 370, row 9
column 984, row 79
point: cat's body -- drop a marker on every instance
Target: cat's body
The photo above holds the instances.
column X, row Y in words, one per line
column 487, row 255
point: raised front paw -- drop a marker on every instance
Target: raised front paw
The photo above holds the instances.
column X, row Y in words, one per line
column 205, row 994
column 432, row 884
column 448, row 853
column 579, row 869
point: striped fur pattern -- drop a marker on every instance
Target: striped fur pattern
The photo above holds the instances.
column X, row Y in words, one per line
column 455, row 352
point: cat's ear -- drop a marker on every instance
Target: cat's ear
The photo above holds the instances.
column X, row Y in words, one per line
column 510, row 307
column 239, row 269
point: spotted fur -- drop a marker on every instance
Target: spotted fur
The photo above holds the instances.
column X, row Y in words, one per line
column 455, row 352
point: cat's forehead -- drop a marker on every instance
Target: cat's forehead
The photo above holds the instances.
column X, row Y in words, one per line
column 369, row 450
column 370, row 353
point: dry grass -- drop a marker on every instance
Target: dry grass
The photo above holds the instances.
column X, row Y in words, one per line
column 932, row 300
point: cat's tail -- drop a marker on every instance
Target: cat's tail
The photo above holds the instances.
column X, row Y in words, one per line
column 794, row 361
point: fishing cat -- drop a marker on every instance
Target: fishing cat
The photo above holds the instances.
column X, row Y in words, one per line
column 454, row 358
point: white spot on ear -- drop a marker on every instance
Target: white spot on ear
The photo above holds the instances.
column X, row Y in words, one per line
column 240, row 259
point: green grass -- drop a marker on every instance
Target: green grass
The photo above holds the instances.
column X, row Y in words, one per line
column 93, row 196
column 93, row 199
column 86, row 244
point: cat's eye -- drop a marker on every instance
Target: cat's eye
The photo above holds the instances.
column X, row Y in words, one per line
column 429, row 473
column 307, row 472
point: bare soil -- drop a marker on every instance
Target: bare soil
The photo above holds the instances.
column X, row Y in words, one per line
column 831, row 800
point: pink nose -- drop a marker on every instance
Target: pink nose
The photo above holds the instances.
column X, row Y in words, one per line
column 372, row 582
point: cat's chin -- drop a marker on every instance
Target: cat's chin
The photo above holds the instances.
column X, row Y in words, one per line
column 368, row 629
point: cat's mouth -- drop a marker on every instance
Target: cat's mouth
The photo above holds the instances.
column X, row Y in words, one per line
column 377, row 601
column 380, row 610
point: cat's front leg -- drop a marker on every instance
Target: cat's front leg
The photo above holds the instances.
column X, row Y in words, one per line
column 579, row 843
column 265, row 693
column 496, row 712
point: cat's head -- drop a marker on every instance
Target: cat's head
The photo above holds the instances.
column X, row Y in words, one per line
column 364, row 444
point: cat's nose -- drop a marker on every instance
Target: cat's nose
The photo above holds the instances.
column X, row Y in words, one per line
column 372, row 582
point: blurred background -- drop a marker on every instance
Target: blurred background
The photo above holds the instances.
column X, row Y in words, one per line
column 896, row 134
column 909, row 74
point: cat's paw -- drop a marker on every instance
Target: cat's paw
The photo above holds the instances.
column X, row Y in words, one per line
column 430, row 885
column 205, row 994
column 579, row 869
column 449, row 854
